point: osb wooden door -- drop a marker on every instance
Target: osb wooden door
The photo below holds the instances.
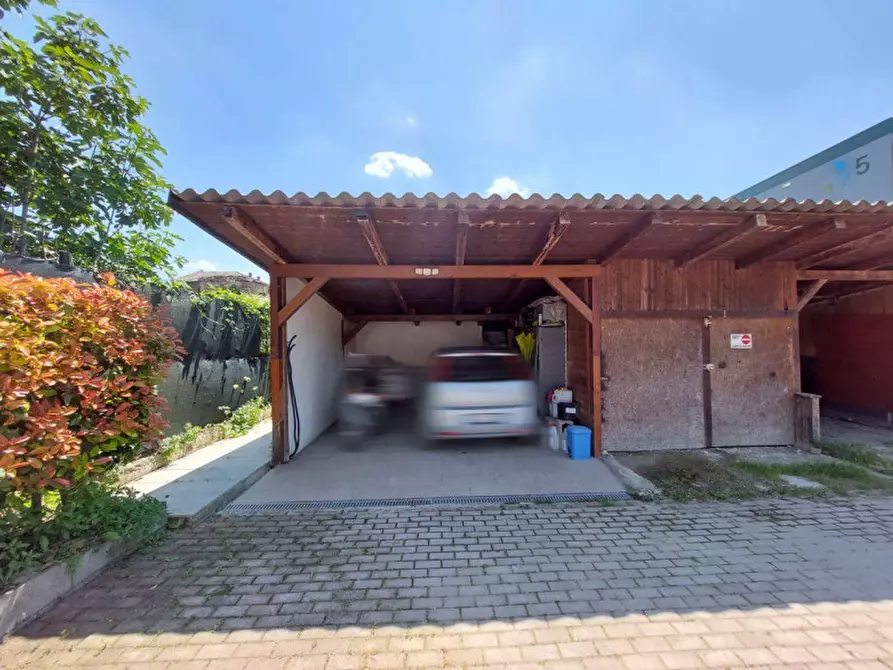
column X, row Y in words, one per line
column 652, row 384
column 753, row 381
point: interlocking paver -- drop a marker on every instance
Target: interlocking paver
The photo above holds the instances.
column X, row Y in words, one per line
column 763, row 584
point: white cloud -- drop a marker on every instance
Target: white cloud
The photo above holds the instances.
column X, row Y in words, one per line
column 506, row 186
column 201, row 264
column 384, row 163
column 411, row 121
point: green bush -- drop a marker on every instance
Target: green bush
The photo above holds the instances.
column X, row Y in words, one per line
column 240, row 420
column 174, row 447
column 71, row 522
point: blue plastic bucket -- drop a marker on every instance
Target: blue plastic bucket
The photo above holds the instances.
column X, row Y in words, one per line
column 579, row 442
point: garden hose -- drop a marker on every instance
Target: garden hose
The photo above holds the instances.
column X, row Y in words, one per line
column 292, row 397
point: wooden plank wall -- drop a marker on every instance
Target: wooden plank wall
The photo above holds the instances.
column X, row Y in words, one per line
column 649, row 285
column 631, row 287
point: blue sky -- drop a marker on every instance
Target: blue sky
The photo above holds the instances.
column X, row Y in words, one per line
column 647, row 96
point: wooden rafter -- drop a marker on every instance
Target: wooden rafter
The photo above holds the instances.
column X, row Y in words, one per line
column 846, row 275
column 810, row 292
column 722, row 240
column 404, row 318
column 861, row 242
column 572, row 298
column 370, row 232
column 461, row 243
column 309, row 290
column 876, row 263
column 854, row 291
column 434, row 272
column 791, row 240
column 556, row 231
column 630, row 235
column 248, row 228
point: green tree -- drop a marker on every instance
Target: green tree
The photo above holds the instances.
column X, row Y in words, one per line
column 78, row 169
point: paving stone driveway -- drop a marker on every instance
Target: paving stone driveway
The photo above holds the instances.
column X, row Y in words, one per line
column 759, row 584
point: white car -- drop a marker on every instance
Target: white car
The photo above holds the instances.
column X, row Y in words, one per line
column 478, row 392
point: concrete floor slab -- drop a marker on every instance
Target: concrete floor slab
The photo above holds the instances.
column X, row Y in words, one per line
column 398, row 464
column 203, row 481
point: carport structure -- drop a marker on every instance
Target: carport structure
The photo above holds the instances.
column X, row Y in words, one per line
column 656, row 288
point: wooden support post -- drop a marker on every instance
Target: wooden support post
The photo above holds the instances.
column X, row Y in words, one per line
column 807, row 419
column 596, row 329
column 707, row 382
column 277, row 369
column 572, row 298
column 810, row 292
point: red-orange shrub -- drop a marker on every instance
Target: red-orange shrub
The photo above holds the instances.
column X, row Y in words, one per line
column 78, row 367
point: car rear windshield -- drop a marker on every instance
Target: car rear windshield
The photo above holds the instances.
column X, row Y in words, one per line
column 481, row 368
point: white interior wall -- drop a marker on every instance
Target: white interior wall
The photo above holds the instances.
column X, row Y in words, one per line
column 412, row 345
column 317, row 362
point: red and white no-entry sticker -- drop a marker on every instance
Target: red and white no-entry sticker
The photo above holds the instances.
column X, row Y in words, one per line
column 742, row 341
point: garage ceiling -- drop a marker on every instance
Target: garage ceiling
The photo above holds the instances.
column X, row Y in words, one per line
column 451, row 230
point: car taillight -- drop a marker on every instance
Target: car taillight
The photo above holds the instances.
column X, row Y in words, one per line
column 440, row 370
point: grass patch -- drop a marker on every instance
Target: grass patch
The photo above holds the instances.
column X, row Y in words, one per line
column 839, row 477
column 694, row 476
column 858, row 454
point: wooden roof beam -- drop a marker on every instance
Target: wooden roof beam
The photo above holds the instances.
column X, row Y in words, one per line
column 410, row 318
column 370, row 232
column 851, row 292
column 722, row 240
column 855, row 244
column 556, row 231
column 791, row 240
column 630, row 235
column 461, row 243
column 434, row 272
column 846, row 275
column 243, row 224
column 876, row 263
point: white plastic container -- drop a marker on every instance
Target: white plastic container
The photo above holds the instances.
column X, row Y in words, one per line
column 562, row 395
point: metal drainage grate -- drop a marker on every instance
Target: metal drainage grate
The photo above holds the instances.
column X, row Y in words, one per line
column 288, row 506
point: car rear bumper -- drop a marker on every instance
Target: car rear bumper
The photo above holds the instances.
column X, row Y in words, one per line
column 446, row 424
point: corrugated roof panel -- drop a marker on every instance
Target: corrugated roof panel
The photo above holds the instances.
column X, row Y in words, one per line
column 535, row 202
